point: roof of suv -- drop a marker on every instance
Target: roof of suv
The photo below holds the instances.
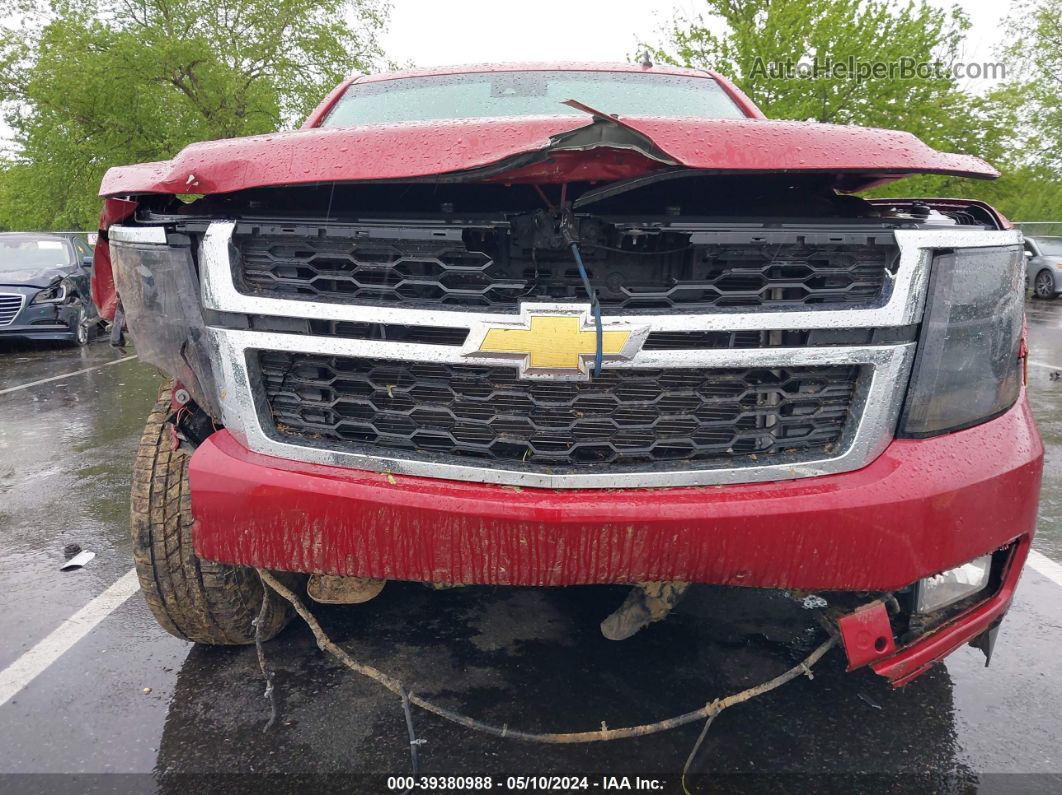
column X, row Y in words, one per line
column 564, row 66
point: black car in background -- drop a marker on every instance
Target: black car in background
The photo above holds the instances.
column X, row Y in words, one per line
column 44, row 287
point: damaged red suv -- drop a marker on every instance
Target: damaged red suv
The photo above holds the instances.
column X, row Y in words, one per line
column 571, row 324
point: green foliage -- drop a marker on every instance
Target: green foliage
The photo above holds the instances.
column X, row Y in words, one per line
column 1035, row 33
column 758, row 33
column 738, row 37
column 108, row 82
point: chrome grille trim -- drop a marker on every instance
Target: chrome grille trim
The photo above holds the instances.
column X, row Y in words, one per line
column 885, row 368
column 632, row 420
column 904, row 294
column 344, row 263
column 10, row 306
column 875, row 410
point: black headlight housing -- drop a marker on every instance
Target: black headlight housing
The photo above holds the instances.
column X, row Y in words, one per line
column 159, row 288
column 53, row 294
column 967, row 370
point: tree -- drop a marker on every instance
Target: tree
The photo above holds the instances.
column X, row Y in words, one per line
column 108, row 82
column 758, row 39
column 1035, row 31
column 744, row 39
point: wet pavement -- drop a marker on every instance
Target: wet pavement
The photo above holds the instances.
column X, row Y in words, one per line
column 130, row 699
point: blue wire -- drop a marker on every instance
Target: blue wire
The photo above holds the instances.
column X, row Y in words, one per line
column 595, row 308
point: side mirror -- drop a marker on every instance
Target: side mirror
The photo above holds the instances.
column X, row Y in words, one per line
column 86, row 261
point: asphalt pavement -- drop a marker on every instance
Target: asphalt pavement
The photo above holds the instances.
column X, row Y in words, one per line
column 94, row 695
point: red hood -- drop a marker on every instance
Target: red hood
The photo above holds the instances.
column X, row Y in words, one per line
column 525, row 149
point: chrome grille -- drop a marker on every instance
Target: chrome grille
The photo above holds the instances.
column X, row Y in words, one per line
column 10, row 306
column 494, row 275
column 625, row 418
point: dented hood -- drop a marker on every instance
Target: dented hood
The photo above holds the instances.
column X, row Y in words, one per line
column 34, row 277
column 542, row 149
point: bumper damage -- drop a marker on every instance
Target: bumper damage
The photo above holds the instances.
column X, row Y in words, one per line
column 57, row 322
column 922, row 507
column 39, row 333
column 976, row 625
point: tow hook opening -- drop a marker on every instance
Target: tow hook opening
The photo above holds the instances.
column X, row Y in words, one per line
column 867, row 634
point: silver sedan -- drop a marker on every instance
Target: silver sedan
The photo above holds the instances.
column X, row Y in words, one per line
column 1043, row 262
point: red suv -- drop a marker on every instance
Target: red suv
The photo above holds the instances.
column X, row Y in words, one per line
column 567, row 324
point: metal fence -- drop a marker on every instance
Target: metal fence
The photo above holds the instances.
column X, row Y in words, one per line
column 90, row 236
column 1040, row 228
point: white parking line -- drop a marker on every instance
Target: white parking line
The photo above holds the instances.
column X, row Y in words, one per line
column 1045, row 365
column 26, row 668
column 67, row 375
column 1042, row 564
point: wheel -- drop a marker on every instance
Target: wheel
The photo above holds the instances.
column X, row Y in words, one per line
column 81, row 329
column 1044, row 285
column 194, row 599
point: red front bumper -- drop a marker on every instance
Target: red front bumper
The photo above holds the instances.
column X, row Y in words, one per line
column 923, row 506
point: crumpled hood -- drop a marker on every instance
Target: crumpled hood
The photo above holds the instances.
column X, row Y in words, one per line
column 33, row 277
column 506, row 149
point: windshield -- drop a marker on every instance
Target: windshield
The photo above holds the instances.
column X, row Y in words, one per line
column 480, row 95
column 1052, row 247
column 25, row 252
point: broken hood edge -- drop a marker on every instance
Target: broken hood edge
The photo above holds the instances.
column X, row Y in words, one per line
column 863, row 156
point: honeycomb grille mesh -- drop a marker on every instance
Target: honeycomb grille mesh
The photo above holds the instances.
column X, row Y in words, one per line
column 495, row 278
column 625, row 418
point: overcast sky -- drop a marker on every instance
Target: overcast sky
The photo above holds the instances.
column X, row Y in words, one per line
column 437, row 32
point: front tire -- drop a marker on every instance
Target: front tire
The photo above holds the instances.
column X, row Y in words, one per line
column 1044, row 285
column 191, row 598
column 81, row 329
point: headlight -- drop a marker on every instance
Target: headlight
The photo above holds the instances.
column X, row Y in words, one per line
column 55, row 294
column 157, row 282
column 967, row 369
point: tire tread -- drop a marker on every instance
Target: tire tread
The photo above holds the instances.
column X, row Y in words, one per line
column 193, row 599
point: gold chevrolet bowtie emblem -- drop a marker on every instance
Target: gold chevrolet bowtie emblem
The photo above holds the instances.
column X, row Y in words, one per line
column 554, row 341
